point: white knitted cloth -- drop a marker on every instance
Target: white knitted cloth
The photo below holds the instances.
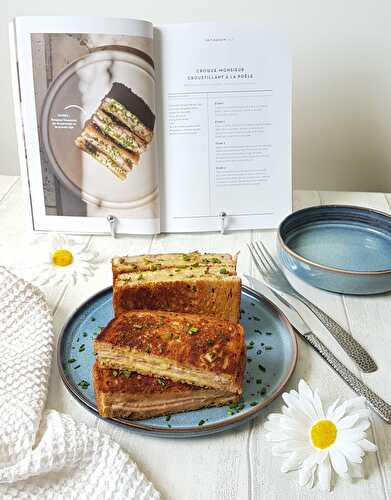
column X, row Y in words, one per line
column 45, row 454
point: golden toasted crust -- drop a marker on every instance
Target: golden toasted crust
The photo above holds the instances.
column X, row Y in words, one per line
column 190, row 348
column 211, row 296
column 191, row 283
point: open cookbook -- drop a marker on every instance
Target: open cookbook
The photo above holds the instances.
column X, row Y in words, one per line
column 160, row 128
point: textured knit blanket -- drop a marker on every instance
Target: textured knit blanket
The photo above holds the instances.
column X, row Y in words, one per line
column 43, row 453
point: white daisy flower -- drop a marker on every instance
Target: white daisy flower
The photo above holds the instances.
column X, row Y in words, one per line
column 62, row 260
column 316, row 442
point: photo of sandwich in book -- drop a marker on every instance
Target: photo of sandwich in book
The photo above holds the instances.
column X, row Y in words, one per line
column 119, row 131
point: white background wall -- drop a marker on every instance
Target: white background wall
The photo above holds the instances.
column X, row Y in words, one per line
column 342, row 77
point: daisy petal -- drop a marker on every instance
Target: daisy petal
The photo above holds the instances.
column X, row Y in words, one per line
column 331, row 408
column 367, row 445
column 338, row 413
column 306, row 475
column 338, row 461
column 347, row 422
column 324, row 473
column 352, row 451
column 293, row 462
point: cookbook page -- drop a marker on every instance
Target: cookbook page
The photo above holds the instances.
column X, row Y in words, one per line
column 224, row 126
column 87, row 99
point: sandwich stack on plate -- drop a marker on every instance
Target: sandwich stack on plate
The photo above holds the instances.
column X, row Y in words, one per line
column 152, row 361
column 119, row 131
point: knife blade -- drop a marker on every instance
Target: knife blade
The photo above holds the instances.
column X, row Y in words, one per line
column 381, row 407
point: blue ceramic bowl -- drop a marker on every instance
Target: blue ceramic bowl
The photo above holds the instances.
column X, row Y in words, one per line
column 342, row 249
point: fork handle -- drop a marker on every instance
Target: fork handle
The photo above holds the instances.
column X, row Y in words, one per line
column 355, row 350
column 382, row 408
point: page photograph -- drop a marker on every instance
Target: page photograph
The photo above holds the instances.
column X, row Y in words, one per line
column 95, row 117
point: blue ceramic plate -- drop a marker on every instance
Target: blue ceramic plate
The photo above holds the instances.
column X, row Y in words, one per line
column 271, row 359
column 338, row 248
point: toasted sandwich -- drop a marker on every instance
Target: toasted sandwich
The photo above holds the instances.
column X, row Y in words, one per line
column 188, row 283
column 129, row 109
column 124, row 394
column 187, row 348
column 124, row 158
column 101, row 158
column 119, row 130
column 121, row 134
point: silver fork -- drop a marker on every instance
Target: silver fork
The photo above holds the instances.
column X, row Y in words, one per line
column 274, row 277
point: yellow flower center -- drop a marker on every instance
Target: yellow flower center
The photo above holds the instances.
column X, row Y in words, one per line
column 323, row 434
column 62, row 257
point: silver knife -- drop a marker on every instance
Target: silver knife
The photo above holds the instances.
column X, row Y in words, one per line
column 382, row 408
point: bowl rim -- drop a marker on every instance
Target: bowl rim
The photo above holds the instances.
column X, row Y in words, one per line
column 324, row 267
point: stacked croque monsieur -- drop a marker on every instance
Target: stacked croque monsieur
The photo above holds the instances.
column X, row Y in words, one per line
column 119, row 131
column 156, row 359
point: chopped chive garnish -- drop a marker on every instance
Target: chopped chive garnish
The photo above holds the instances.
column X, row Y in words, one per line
column 268, row 333
column 257, row 331
column 76, row 367
column 85, row 334
column 262, row 368
column 215, row 260
column 259, row 351
column 71, row 360
column 249, row 360
column 193, row 330
column 92, row 319
column 255, row 318
column 242, row 311
column 259, row 381
column 263, row 391
column 253, row 403
column 168, row 417
column 185, row 257
column 83, row 384
column 223, row 271
column 268, row 347
column 201, row 422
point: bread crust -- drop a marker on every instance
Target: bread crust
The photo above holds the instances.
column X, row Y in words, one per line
column 220, row 298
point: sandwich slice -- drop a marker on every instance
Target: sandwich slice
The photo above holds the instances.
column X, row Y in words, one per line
column 188, row 348
column 101, row 158
column 188, row 283
column 124, row 394
column 119, row 133
column 124, row 158
column 131, row 110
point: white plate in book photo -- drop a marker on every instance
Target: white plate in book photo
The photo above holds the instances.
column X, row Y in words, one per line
column 70, row 100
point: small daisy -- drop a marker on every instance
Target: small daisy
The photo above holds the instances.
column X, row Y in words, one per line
column 315, row 442
column 63, row 260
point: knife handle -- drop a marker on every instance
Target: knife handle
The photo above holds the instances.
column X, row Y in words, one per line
column 352, row 348
column 382, row 408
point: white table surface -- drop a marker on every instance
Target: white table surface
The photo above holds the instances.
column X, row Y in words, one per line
column 233, row 465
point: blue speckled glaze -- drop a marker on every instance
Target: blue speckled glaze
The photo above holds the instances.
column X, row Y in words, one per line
column 338, row 248
column 272, row 353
